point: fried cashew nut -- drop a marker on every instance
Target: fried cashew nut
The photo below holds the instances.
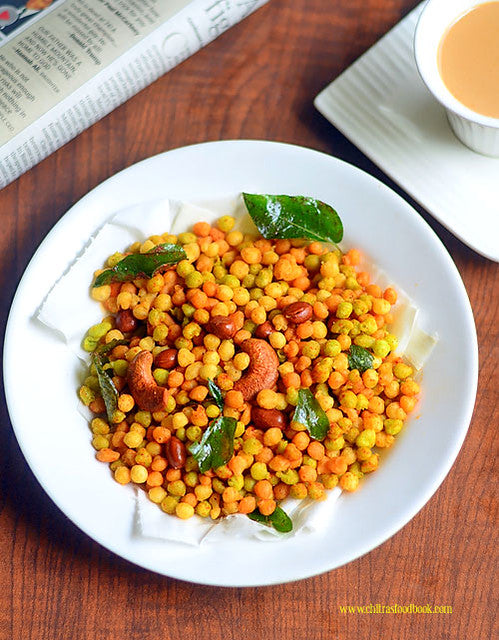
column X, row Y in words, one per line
column 148, row 395
column 262, row 372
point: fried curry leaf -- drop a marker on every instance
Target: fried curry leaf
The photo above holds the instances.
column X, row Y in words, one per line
column 108, row 390
column 360, row 358
column 279, row 519
column 310, row 413
column 216, row 394
column 293, row 217
column 142, row 264
column 216, row 447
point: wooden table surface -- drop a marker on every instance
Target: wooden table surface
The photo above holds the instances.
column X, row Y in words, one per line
column 257, row 80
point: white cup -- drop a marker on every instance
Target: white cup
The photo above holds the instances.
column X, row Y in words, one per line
column 480, row 133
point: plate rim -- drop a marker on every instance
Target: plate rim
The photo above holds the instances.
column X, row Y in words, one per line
column 416, row 504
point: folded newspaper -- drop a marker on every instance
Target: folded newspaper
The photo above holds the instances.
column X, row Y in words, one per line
column 64, row 64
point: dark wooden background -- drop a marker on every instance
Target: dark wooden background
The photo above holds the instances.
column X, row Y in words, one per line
column 256, row 81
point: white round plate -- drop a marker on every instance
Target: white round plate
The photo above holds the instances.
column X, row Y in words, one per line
column 56, row 441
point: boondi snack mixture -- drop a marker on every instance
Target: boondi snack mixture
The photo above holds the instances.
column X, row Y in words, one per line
column 233, row 371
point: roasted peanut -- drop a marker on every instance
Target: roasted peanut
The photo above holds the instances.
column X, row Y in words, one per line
column 166, row 359
column 176, row 452
column 264, row 330
column 147, row 394
column 224, row 327
column 262, row 372
column 267, row 418
column 298, row 312
column 126, row 321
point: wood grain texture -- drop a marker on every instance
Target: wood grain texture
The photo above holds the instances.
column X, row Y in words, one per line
column 256, row 81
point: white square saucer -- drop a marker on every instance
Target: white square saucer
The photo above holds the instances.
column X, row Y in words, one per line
column 381, row 104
